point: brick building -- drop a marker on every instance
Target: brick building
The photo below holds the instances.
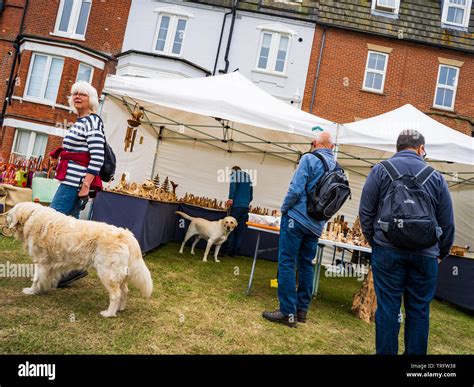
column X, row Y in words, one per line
column 373, row 56
column 60, row 42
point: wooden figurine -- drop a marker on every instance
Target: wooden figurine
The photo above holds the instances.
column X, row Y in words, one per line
column 166, row 185
column 156, row 181
column 364, row 303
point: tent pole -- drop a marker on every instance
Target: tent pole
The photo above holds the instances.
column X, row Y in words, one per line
column 336, row 149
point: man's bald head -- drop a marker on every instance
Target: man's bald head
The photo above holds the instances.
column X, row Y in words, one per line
column 322, row 140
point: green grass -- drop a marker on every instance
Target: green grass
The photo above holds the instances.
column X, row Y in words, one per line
column 196, row 308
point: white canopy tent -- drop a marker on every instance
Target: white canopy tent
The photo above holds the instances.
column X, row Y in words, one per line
column 195, row 130
column 205, row 126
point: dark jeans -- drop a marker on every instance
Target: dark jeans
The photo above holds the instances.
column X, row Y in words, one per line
column 400, row 273
column 297, row 248
column 232, row 245
column 67, row 202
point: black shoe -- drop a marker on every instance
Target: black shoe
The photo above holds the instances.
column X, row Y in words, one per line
column 70, row 277
column 301, row 315
column 279, row 317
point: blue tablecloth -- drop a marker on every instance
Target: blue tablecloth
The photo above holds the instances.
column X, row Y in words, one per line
column 456, row 282
column 154, row 223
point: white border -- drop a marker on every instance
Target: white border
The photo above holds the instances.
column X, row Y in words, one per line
column 375, row 71
column 40, row 128
column 454, row 88
column 63, row 52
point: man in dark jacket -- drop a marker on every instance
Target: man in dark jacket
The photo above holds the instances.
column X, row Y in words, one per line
column 398, row 271
column 240, row 197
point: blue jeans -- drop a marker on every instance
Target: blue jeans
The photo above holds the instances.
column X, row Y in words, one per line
column 232, row 246
column 67, row 202
column 400, row 273
column 297, row 248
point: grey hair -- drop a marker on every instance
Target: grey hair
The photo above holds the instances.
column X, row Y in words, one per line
column 84, row 87
column 318, row 137
column 409, row 138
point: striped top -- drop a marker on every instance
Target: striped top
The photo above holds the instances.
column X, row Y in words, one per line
column 87, row 135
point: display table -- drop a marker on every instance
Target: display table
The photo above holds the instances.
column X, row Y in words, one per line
column 455, row 281
column 154, row 223
column 322, row 243
column 260, row 229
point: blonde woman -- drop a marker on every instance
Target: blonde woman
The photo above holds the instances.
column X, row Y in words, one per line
column 80, row 159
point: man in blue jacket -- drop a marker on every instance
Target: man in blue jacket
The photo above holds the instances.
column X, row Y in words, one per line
column 299, row 236
column 240, row 197
column 400, row 272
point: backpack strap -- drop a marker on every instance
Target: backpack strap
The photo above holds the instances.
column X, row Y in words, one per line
column 391, row 169
column 424, row 175
column 323, row 160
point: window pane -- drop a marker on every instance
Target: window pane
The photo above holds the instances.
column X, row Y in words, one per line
column 444, row 97
column 264, row 51
column 448, row 98
column 378, row 81
column 83, row 15
column 459, row 2
column 36, row 76
column 439, row 96
column 40, row 145
column 380, row 62
column 281, row 56
column 387, row 3
column 451, row 79
column 369, row 80
column 66, row 16
column 443, row 75
column 160, row 44
column 455, row 15
column 21, row 144
column 53, row 79
column 178, row 36
column 84, row 73
column 372, row 60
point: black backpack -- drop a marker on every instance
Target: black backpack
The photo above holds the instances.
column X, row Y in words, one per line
column 329, row 193
column 107, row 171
column 407, row 214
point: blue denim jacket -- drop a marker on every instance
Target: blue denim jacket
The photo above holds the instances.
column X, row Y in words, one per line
column 376, row 188
column 310, row 170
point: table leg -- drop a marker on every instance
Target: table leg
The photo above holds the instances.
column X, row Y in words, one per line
column 317, row 269
column 253, row 264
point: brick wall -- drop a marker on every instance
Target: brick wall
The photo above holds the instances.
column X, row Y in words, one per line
column 105, row 31
column 105, row 28
column 410, row 78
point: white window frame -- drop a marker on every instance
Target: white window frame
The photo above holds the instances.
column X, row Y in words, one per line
column 272, row 54
column 174, row 18
column 31, row 143
column 454, row 88
column 44, row 81
column 92, row 72
column 384, row 72
column 467, row 13
column 75, row 12
column 385, row 10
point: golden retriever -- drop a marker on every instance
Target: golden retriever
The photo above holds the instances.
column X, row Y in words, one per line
column 59, row 244
column 216, row 233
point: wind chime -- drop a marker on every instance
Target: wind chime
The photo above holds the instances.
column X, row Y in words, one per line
column 133, row 123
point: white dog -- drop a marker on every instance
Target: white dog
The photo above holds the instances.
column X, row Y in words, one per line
column 216, row 233
column 59, row 244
